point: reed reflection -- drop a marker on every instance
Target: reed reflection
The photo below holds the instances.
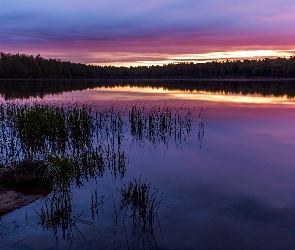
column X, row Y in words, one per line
column 81, row 143
column 201, row 127
column 139, row 206
column 161, row 125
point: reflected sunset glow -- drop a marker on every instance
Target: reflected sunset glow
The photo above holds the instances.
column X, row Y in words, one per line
column 135, row 93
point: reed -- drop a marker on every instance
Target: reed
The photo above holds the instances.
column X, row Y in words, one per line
column 32, row 131
column 140, row 204
column 39, row 125
column 160, row 124
column 80, row 142
column 57, row 215
column 201, row 127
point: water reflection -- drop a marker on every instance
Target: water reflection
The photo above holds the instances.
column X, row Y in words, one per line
column 35, row 89
column 236, row 194
column 160, row 125
column 57, row 215
column 40, row 130
column 201, row 127
column 82, row 144
column 139, row 205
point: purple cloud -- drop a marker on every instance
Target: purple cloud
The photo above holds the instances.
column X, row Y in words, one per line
column 138, row 26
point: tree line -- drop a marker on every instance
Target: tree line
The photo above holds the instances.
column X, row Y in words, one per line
column 20, row 66
column 24, row 89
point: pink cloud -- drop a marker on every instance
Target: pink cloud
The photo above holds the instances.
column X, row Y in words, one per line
column 76, row 31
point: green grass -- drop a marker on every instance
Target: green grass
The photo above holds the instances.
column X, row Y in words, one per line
column 86, row 140
column 91, row 139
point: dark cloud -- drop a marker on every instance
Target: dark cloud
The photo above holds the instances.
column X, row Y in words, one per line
column 167, row 26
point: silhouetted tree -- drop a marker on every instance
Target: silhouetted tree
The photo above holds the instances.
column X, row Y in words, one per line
column 24, row 66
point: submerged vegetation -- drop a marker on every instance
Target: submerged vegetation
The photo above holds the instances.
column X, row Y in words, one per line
column 160, row 124
column 27, row 67
column 86, row 137
column 139, row 206
column 80, row 143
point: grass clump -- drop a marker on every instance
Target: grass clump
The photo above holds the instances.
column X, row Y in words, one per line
column 41, row 124
column 80, row 124
column 140, row 204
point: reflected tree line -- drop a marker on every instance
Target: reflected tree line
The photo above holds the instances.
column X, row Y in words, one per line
column 81, row 143
column 25, row 66
column 26, row 89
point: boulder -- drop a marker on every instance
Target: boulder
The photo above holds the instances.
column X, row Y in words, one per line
column 27, row 174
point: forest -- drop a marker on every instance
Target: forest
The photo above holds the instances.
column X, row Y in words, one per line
column 20, row 66
column 23, row 89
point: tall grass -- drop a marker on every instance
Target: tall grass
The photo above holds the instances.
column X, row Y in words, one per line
column 86, row 141
column 160, row 124
column 139, row 205
column 80, row 142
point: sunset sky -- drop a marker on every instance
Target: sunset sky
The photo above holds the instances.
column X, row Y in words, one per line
column 137, row 32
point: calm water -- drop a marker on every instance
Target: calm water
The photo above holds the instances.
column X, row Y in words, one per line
column 233, row 188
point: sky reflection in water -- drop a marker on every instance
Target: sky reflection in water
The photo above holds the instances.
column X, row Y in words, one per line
column 160, row 94
column 236, row 191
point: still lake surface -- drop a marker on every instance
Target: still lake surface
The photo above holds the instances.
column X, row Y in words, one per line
column 232, row 187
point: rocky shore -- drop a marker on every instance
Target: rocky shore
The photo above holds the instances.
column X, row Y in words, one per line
column 23, row 184
column 11, row 200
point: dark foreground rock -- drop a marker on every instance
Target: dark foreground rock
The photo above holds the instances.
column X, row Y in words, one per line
column 23, row 184
column 27, row 174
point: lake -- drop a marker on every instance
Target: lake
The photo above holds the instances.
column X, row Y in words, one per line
column 219, row 176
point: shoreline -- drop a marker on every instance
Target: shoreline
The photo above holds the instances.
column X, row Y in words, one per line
column 11, row 200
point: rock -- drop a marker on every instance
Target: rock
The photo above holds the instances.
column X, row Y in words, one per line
column 11, row 200
column 27, row 174
column 23, row 184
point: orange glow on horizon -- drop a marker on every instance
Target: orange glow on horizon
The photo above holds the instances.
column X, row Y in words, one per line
column 127, row 59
